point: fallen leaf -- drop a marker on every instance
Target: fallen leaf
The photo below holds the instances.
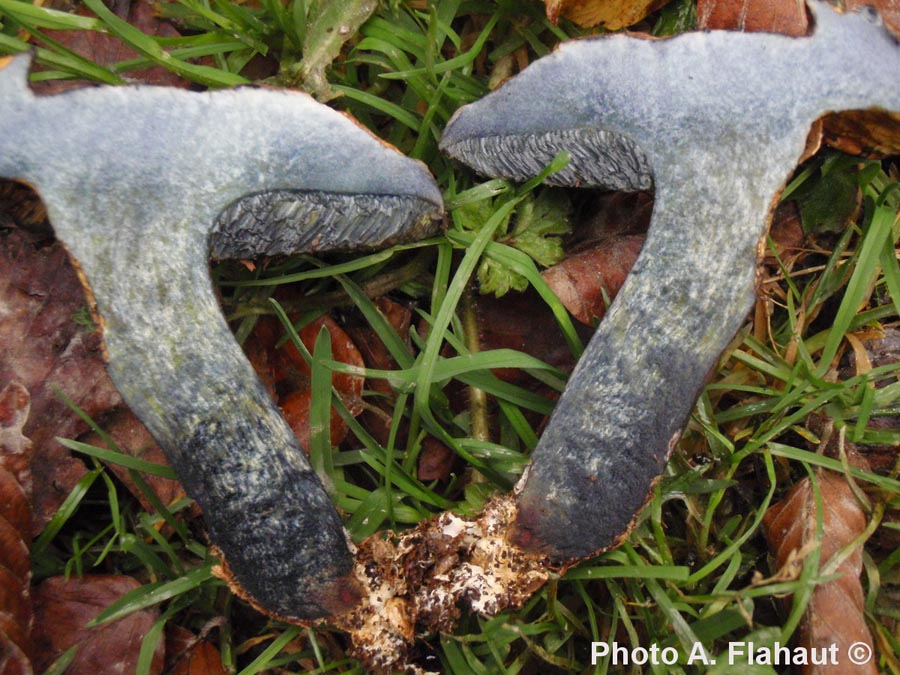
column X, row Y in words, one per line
column 191, row 655
column 371, row 345
column 872, row 133
column 436, row 461
column 49, row 352
column 13, row 661
column 295, row 408
column 21, row 207
column 14, row 507
column 16, row 614
column 522, row 321
column 63, row 607
column 107, row 50
column 286, row 373
column 588, row 281
column 771, row 16
column 342, row 349
column 835, row 614
column 15, row 447
column 132, row 438
column 612, row 14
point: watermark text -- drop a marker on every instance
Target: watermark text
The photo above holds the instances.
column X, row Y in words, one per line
column 743, row 653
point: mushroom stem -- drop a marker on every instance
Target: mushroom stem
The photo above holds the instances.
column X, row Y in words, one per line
column 622, row 412
column 174, row 360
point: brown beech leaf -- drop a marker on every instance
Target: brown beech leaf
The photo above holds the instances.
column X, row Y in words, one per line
column 613, row 14
column 835, row 612
column 873, row 133
column 286, row 373
column 187, row 654
column 349, row 387
column 16, row 614
column 107, row 49
column 436, row 460
column 13, row 661
column 521, row 321
column 15, row 447
column 132, row 438
column 779, row 16
column 371, row 345
column 64, row 606
column 49, row 352
column 786, row 233
column 587, row 281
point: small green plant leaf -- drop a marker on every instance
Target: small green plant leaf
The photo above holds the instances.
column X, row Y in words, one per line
column 826, row 204
column 539, row 222
column 331, row 25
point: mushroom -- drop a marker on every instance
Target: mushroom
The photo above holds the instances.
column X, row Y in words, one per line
column 140, row 184
column 715, row 121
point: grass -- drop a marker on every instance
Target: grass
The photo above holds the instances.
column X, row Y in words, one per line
column 686, row 573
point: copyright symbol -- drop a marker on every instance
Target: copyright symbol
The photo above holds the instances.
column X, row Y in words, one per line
column 859, row 653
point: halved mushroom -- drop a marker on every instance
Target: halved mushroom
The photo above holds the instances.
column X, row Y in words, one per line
column 715, row 121
column 139, row 184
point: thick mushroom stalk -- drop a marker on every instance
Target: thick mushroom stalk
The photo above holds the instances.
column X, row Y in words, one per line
column 140, row 183
column 718, row 120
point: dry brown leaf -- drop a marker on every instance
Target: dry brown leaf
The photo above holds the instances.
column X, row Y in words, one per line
column 371, row 345
column 48, row 352
column 834, row 615
column 872, row 133
column 64, row 606
column 586, row 282
column 13, row 661
column 107, row 49
column 16, row 614
column 521, row 321
column 295, row 405
column 132, row 438
column 776, row 16
column 342, row 349
column 436, row 461
column 15, row 447
column 286, row 374
column 612, row 14
column 188, row 654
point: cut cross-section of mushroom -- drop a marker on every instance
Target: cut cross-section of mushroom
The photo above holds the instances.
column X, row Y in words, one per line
column 140, row 183
column 716, row 121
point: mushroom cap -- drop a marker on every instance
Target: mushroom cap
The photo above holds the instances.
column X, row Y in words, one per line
column 621, row 105
column 256, row 162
